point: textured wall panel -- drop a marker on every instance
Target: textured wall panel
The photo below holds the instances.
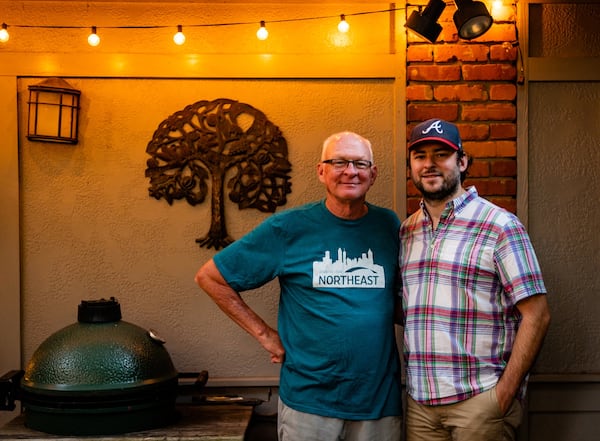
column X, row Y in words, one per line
column 90, row 229
column 564, row 184
column 564, row 30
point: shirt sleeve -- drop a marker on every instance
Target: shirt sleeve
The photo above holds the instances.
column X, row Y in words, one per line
column 253, row 260
column 517, row 263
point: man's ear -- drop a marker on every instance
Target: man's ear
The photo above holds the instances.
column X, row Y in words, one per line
column 321, row 172
column 463, row 162
column 374, row 173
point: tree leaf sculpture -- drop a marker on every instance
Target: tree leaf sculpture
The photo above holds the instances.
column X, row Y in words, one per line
column 212, row 139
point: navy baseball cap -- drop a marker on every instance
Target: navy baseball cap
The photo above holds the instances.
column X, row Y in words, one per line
column 436, row 130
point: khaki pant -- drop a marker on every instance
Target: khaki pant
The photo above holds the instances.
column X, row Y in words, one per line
column 299, row 426
column 475, row 419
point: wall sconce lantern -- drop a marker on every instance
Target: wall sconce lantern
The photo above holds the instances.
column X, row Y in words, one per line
column 471, row 18
column 53, row 112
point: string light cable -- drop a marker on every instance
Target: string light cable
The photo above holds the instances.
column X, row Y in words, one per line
column 179, row 37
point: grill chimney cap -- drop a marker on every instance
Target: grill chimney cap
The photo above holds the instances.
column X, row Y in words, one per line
column 99, row 311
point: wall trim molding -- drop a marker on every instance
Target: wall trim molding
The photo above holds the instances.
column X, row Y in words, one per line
column 202, row 65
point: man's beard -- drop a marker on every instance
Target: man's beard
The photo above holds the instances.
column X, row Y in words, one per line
column 450, row 186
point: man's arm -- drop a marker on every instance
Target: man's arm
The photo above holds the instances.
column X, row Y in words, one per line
column 528, row 341
column 209, row 278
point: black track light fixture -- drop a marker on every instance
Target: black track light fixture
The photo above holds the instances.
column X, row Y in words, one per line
column 424, row 23
column 471, row 18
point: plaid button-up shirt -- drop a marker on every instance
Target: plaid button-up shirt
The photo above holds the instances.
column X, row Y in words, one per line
column 460, row 285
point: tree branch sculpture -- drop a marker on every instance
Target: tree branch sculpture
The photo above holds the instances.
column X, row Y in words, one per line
column 208, row 139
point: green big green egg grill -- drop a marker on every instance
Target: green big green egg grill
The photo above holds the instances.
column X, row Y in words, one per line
column 99, row 376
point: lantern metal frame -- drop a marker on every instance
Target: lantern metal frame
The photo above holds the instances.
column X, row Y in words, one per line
column 53, row 112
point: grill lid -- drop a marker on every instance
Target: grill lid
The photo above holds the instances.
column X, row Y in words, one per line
column 99, row 353
column 98, row 376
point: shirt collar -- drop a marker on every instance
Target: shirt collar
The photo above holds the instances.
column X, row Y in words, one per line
column 455, row 205
column 461, row 202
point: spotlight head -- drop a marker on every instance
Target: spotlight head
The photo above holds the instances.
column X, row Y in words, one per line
column 425, row 23
column 472, row 19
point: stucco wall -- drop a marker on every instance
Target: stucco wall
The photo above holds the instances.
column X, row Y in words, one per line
column 90, row 229
column 564, row 184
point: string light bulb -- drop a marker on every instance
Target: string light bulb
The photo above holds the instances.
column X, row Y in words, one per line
column 343, row 25
column 179, row 38
column 93, row 38
column 4, row 33
column 262, row 32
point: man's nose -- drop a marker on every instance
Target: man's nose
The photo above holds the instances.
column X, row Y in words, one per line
column 429, row 160
column 354, row 169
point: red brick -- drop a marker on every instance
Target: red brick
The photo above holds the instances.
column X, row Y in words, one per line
column 419, row 92
column 503, row 92
column 460, row 92
column 422, row 112
column 503, row 131
column 499, row 32
column 491, row 149
column 419, row 52
column 503, row 52
column 504, row 168
column 489, row 112
column 496, row 186
column 489, row 72
column 484, row 149
column 460, row 52
column 433, row 73
column 479, row 169
column 506, row 149
column 474, row 132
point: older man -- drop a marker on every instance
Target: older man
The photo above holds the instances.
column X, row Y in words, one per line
column 336, row 261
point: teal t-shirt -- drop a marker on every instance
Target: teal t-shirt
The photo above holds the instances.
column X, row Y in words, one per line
column 338, row 284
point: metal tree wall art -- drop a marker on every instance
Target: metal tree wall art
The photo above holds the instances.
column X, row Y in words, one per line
column 212, row 139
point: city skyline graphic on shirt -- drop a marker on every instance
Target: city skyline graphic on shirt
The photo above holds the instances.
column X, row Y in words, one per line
column 347, row 272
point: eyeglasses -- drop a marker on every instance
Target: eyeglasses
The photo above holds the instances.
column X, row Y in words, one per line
column 342, row 164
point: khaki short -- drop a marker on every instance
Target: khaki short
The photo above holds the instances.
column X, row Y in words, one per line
column 299, row 426
column 476, row 419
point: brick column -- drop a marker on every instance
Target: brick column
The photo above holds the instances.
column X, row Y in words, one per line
column 473, row 84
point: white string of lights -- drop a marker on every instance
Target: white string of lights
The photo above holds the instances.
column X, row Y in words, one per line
column 179, row 37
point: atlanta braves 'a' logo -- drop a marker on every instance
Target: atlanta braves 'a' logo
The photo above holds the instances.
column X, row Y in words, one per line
column 436, row 125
